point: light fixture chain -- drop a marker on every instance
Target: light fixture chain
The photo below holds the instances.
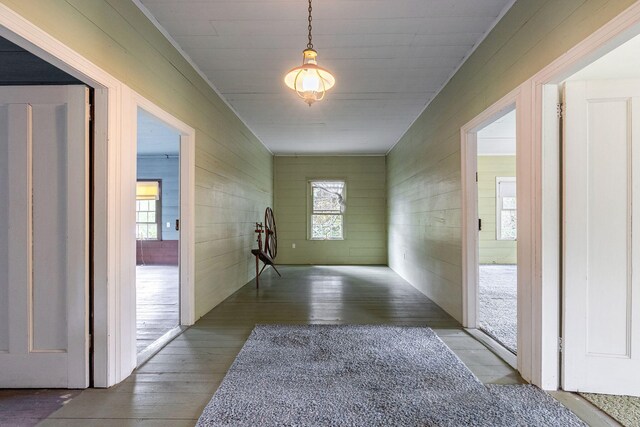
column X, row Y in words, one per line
column 310, row 44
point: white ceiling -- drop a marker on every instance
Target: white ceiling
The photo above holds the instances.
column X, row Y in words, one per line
column 621, row 63
column 390, row 58
column 155, row 137
column 498, row 138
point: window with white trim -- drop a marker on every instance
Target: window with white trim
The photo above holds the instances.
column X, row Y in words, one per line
column 148, row 210
column 506, row 212
column 327, row 210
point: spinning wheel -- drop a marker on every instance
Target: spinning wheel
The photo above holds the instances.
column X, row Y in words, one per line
column 270, row 250
column 271, row 234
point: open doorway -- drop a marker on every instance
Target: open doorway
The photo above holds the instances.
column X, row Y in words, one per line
column 497, row 230
column 157, row 230
column 600, row 109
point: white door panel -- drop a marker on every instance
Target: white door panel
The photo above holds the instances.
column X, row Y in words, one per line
column 601, row 241
column 44, row 234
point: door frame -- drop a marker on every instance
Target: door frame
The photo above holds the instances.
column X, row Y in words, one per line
column 187, row 200
column 544, row 89
column 114, row 351
column 470, row 238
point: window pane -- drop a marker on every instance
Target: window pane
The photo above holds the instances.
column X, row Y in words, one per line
column 151, row 205
column 508, row 221
column 508, row 203
column 142, row 231
column 327, row 196
column 326, row 227
column 325, row 201
column 152, row 232
column 144, row 205
column 144, row 217
column 151, row 217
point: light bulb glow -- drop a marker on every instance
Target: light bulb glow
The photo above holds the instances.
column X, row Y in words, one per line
column 310, row 82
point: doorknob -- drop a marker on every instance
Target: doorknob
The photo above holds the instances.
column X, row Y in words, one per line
column 177, row 225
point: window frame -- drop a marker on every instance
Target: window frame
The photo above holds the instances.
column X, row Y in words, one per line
column 310, row 211
column 158, row 210
column 500, row 209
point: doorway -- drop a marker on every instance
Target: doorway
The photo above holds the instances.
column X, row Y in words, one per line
column 600, row 109
column 46, row 143
column 157, row 230
column 497, row 230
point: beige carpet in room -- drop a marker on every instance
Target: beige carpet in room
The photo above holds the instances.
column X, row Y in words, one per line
column 625, row 409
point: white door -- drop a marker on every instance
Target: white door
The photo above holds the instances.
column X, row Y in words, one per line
column 44, row 213
column 602, row 237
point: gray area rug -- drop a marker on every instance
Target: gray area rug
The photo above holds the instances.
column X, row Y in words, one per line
column 366, row 376
column 498, row 304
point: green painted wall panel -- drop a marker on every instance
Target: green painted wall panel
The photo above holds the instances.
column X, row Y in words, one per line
column 491, row 250
column 365, row 217
column 423, row 169
column 234, row 171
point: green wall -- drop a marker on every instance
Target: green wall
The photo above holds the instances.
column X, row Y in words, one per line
column 491, row 250
column 423, row 169
column 365, row 217
column 234, row 173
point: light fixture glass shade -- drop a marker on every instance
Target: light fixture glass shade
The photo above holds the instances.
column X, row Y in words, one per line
column 147, row 190
column 310, row 81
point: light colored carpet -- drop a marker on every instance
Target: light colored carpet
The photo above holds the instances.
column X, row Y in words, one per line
column 366, row 376
column 625, row 409
column 498, row 304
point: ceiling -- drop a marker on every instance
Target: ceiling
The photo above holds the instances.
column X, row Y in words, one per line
column 499, row 137
column 390, row 58
column 155, row 137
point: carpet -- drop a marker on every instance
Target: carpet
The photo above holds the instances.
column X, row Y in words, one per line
column 624, row 409
column 366, row 376
column 498, row 304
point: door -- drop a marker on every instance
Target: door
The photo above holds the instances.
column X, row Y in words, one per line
column 602, row 237
column 44, row 213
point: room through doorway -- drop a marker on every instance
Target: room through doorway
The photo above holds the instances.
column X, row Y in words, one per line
column 497, row 231
column 157, row 230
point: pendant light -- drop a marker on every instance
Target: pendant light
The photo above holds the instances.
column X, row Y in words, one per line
column 310, row 81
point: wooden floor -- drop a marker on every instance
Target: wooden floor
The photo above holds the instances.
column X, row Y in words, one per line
column 175, row 385
column 157, row 302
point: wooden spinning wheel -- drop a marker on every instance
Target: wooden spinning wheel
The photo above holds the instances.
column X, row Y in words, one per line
column 267, row 253
column 271, row 234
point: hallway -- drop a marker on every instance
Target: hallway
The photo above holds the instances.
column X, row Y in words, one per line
column 175, row 385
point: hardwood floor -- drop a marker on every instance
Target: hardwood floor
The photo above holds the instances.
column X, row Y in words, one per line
column 157, row 299
column 175, row 385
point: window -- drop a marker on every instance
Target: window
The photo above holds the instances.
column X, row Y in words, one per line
column 147, row 210
column 506, row 214
column 327, row 210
